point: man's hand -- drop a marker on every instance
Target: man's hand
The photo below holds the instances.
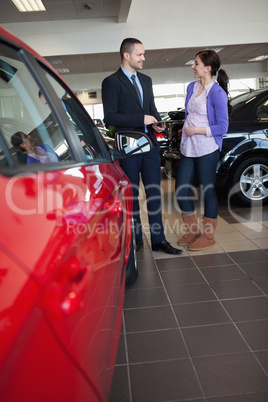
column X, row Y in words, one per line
column 159, row 127
column 148, row 119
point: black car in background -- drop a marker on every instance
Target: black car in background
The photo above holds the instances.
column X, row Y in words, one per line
column 243, row 166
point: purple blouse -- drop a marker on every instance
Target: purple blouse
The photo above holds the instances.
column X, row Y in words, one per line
column 198, row 144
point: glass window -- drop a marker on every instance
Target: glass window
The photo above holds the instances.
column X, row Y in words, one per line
column 85, row 129
column 29, row 128
column 3, row 161
column 262, row 112
column 28, row 125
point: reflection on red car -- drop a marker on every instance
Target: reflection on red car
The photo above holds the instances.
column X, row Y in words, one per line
column 66, row 240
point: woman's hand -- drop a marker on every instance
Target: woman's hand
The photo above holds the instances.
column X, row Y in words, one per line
column 190, row 130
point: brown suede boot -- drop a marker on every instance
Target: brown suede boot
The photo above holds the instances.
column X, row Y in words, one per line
column 192, row 230
column 206, row 239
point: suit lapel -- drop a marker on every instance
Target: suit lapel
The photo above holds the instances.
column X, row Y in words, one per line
column 126, row 82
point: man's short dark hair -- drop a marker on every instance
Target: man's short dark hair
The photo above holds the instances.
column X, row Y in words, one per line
column 128, row 45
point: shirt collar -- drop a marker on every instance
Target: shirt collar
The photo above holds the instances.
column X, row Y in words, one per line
column 127, row 73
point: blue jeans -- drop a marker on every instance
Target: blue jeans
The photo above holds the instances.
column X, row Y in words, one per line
column 204, row 167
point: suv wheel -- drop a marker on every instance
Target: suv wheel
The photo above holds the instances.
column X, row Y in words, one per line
column 251, row 178
column 132, row 265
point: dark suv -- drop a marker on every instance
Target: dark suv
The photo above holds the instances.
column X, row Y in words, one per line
column 243, row 166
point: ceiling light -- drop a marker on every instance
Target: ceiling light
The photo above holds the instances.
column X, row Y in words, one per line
column 29, row 5
column 62, row 70
column 216, row 49
column 259, row 58
column 189, row 63
column 55, row 61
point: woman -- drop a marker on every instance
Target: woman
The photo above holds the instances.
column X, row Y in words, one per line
column 206, row 120
column 41, row 153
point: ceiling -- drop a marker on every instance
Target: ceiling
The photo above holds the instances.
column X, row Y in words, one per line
column 106, row 62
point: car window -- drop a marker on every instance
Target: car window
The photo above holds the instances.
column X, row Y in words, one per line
column 85, row 129
column 29, row 129
column 262, row 111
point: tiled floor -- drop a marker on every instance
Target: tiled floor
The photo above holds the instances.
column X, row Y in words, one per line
column 195, row 326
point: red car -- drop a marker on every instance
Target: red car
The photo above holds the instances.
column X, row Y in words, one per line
column 66, row 240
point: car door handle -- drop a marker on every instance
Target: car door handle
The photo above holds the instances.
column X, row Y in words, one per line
column 114, row 206
column 76, row 277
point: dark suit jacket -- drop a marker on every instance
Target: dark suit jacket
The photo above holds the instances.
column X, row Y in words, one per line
column 121, row 104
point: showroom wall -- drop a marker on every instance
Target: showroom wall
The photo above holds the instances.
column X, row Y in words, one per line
column 159, row 24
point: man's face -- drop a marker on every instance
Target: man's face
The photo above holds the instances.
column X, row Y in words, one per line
column 136, row 58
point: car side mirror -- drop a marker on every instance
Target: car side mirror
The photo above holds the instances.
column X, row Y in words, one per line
column 131, row 143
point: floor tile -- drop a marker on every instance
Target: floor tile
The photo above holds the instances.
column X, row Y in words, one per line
column 181, row 277
column 164, row 381
column 238, row 245
column 213, row 340
column 252, row 234
column 232, row 236
column 195, row 325
column 223, row 273
column 120, row 391
column 255, row 270
column 175, row 264
column 189, row 293
column 262, row 283
column 249, row 256
column 212, row 260
column 201, row 314
column 159, row 255
column 260, row 243
column 144, row 254
column 146, row 265
column 148, row 319
column 263, row 359
column 252, row 397
column 233, row 289
column 231, row 374
column 217, row 249
column 250, row 309
column 145, row 298
column 255, row 334
column 121, row 352
column 147, row 280
column 155, row 346
column 243, row 227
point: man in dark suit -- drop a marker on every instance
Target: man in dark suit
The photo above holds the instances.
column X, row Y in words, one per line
column 128, row 104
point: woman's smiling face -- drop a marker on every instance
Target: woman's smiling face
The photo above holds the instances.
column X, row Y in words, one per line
column 199, row 68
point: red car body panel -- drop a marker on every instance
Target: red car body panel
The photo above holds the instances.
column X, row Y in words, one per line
column 64, row 244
